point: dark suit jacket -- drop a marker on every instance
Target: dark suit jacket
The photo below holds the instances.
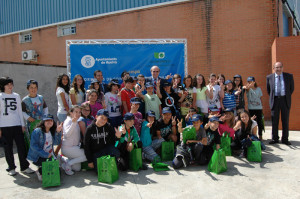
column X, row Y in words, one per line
column 105, row 88
column 162, row 81
column 289, row 88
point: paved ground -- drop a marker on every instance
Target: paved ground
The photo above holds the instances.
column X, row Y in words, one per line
column 277, row 176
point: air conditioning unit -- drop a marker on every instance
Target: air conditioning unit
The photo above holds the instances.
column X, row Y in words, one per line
column 29, row 55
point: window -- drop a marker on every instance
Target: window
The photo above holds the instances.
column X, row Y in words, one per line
column 66, row 30
column 25, row 37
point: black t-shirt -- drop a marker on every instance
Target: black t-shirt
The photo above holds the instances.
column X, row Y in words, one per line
column 165, row 129
column 169, row 101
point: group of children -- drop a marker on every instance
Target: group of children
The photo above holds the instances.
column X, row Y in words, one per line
column 114, row 119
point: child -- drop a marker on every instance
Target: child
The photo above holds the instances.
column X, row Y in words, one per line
column 201, row 93
column 152, row 101
column 129, row 138
column 229, row 96
column 12, row 126
column 124, row 75
column 126, row 94
column 85, row 120
column 189, row 99
column 100, row 139
column 147, row 132
column 189, row 116
column 191, row 150
column 113, row 103
column 246, row 133
column 140, row 85
column 42, row 140
column 94, row 105
column 96, row 86
column 217, row 92
column 77, row 92
column 34, row 106
column 170, row 99
column 239, row 99
column 213, row 137
column 166, row 126
column 254, row 95
column 138, row 118
column 71, row 140
column 228, row 122
column 176, row 83
column 62, row 95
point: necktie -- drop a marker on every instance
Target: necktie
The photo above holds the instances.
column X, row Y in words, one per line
column 155, row 86
column 279, row 86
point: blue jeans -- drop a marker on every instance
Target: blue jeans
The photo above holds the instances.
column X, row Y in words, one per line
column 149, row 151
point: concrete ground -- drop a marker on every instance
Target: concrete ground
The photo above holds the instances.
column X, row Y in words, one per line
column 277, row 176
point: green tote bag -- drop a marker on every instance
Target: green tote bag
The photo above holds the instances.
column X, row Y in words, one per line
column 107, row 169
column 50, row 173
column 135, row 159
column 217, row 163
column 225, row 144
column 167, row 151
column 254, row 152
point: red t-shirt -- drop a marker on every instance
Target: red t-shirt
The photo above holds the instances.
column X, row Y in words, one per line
column 126, row 95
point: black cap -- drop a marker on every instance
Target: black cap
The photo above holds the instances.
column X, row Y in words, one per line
column 103, row 112
column 128, row 116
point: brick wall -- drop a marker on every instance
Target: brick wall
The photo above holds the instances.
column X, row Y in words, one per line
column 287, row 51
column 224, row 36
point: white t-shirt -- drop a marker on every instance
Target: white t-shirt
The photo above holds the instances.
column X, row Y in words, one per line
column 10, row 110
column 48, row 143
column 113, row 104
column 216, row 98
column 60, row 104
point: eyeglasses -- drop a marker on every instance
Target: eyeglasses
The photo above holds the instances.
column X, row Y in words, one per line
column 88, row 110
column 155, row 71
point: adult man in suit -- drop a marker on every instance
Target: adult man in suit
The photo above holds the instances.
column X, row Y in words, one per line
column 155, row 78
column 280, row 87
column 99, row 76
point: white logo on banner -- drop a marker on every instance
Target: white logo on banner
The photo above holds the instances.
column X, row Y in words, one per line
column 87, row 61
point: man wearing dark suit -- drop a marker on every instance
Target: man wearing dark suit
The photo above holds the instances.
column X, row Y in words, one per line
column 99, row 76
column 155, row 78
column 280, row 87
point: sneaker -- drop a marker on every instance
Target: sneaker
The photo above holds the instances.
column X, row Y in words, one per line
column 12, row 172
column 67, row 169
column 144, row 167
column 40, row 178
column 28, row 171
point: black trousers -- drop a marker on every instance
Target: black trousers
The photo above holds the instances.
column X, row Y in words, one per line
column 39, row 163
column 258, row 119
column 280, row 106
column 10, row 134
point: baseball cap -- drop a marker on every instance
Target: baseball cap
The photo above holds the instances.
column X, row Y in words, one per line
column 128, row 116
column 166, row 110
column 196, row 117
column 135, row 100
column 103, row 112
column 48, row 117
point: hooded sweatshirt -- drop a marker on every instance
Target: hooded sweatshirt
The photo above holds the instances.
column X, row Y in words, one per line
column 97, row 138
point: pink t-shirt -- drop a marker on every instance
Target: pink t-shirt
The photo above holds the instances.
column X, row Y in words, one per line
column 94, row 108
column 138, row 119
column 224, row 127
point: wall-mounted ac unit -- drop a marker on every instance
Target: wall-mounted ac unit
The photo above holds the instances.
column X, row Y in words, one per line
column 29, row 55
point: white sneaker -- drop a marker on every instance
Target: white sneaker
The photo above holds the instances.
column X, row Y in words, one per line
column 12, row 172
column 28, row 171
column 67, row 169
column 40, row 178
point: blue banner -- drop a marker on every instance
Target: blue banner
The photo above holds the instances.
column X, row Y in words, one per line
column 113, row 59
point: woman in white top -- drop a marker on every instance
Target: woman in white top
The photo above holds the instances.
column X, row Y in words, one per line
column 62, row 95
column 77, row 91
column 201, row 93
column 71, row 140
column 12, row 126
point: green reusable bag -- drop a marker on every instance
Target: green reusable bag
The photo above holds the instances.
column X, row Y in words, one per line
column 167, row 151
column 225, row 144
column 254, row 152
column 50, row 173
column 135, row 159
column 33, row 125
column 217, row 163
column 27, row 141
column 188, row 133
column 107, row 169
column 160, row 166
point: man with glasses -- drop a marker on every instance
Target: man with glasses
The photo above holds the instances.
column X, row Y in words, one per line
column 155, row 78
column 280, row 87
column 99, row 76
